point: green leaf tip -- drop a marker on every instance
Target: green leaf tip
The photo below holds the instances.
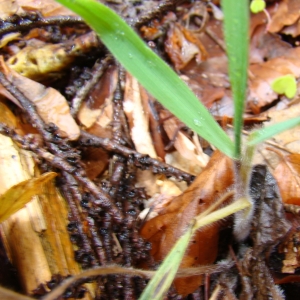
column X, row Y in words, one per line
column 236, row 34
column 285, row 85
column 259, row 136
column 160, row 283
column 257, row 6
column 151, row 71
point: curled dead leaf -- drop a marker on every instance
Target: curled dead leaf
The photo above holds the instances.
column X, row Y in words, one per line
column 182, row 46
column 165, row 229
column 287, row 13
column 287, row 176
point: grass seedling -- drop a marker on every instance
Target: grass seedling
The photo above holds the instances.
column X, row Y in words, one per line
column 165, row 85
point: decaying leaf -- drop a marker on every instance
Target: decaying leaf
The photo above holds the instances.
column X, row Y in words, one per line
column 9, row 38
column 48, row 60
column 287, row 175
column 18, row 195
column 286, row 13
column 182, row 46
column 290, row 248
column 97, row 110
column 46, row 7
column 50, row 104
column 165, row 229
column 138, row 121
column 135, row 100
column 195, row 158
column 261, row 93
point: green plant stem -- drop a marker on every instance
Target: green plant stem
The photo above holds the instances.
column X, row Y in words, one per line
column 224, row 212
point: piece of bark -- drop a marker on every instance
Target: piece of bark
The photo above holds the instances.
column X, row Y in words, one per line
column 36, row 237
column 269, row 227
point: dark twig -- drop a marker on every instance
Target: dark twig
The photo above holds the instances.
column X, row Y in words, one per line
column 56, row 161
column 35, row 20
column 27, row 105
column 120, row 129
column 99, row 247
column 139, row 160
column 81, row 94
column 162, row 7
column 72, row 195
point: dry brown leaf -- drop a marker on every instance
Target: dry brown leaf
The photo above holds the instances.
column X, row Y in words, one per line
column 287, row 13
column 260, row 91
column 290, row 138
column 138, row 120
column 193, row 157
column 96, row 114
column 291, row 247
column 51, row 105
column 134, row 103
column 293, row 30
column 7, row 38
column 164, row 230
column 287, row 175
column 182, row 45
column 47, row 8
column 97, row 109
column 8, row 8
column 265, row 46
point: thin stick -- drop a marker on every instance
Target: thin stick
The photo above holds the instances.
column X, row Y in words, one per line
column 140, row 160
column 114, row 269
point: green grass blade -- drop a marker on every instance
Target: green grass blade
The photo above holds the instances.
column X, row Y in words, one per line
column 151, row 71
column 259, row 136
column 236, row 27
column 159, row 285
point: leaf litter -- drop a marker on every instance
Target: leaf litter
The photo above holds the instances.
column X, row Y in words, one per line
column 191, row 39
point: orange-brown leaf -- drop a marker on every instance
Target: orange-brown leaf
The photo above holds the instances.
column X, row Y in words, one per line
column 164, row 230
column 182, row 46
column 50, row 104
column 287, row 13
column 287, row 176
column 18, row 195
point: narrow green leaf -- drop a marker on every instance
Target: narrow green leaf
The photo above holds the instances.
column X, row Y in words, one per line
column 160, row 283
column 259, row 136
column 151, row 71
column 286, row 85
column 236, row 27
column 257, row 6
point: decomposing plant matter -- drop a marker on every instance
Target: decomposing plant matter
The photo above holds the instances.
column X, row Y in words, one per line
column 133, row 176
